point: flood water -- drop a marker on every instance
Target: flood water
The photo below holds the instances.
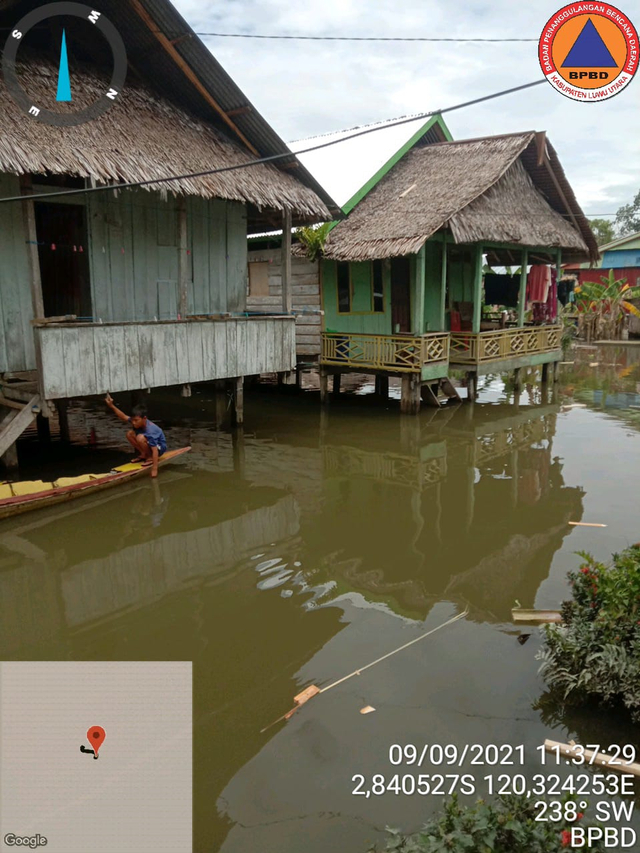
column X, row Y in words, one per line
column 315, row 543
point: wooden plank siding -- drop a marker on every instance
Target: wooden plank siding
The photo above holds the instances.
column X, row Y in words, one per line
column 84, row 359
column 305, row 277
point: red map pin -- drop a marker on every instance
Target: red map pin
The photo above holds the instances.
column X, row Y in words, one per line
column 96, row 736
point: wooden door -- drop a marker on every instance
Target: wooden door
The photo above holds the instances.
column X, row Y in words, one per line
column 400, row 295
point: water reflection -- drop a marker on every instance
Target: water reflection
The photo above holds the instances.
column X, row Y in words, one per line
column 304, row 548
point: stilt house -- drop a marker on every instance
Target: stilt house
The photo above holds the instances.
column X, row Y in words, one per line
column 403, row 275
column 136, row 288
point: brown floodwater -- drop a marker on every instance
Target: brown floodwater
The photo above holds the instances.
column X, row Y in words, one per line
column 315, row 542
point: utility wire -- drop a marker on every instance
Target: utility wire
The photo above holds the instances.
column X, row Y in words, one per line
column 358, row 38
column 273, row 157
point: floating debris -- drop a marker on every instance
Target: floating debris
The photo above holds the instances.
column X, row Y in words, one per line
column 538, row 616
column 586, row 524
column 522, row 639
column 368, row 709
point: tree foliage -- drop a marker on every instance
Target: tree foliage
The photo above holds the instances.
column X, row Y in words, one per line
column 313, row 238
column 603, row 230
column 628, row 217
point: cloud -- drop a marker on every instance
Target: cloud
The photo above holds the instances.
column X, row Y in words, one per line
column 306, row 88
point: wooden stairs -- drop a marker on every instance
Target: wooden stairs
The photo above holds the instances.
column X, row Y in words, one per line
column 438, row 394
column 17, row 420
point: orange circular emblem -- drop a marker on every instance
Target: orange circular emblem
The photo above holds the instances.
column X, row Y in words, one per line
column 589, row 51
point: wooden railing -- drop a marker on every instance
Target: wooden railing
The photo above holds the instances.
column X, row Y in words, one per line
column 481, row 347
column 394, row 353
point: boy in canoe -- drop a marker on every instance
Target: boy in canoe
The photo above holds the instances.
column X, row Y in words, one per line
column 146, row 438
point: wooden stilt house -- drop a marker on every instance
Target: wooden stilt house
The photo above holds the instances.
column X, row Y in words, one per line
column 402, row 275
column 133, row 289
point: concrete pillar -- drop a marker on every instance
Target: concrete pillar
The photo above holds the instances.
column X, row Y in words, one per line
column 410, row 399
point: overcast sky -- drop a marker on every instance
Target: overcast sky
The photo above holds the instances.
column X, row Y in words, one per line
column 306, row 88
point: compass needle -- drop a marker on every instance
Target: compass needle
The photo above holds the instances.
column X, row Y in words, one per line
column 64, row 81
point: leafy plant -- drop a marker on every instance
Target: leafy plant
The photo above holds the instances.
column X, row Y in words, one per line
column 606, row 304
column 595, row 653
column 506, row 826
column 313, row 238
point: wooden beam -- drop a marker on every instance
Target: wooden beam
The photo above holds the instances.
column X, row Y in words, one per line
column 287, row 292
column 541, row 147
column 418, row 296
column 183, row 259
column 239, row 111
column 522, row 293
column 186, row 69
column 477, row 290
column 37, row 300
column 443, row 284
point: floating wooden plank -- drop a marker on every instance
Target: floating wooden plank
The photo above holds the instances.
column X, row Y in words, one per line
column 572, row 750
column 586, row 524
column 540, row 617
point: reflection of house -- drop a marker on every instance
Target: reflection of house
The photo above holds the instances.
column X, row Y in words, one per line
column 140, row 288
column 499, row 510
column 402, row 274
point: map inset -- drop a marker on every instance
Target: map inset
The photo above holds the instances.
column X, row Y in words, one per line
column 136, row 717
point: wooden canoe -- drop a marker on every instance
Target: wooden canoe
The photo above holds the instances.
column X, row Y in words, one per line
column 16, row 498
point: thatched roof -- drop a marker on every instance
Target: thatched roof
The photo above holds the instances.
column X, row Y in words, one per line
column 506, row 189
column 193, row 115
column 140, row 138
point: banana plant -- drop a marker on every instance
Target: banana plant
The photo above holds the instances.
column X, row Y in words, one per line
column 609, row 302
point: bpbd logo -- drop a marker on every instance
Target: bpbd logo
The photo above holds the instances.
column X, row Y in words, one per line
column 589, row 51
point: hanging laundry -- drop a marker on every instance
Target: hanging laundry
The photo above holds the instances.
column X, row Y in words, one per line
column 538, row 283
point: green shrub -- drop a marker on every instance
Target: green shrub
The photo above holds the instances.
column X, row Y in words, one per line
column 506, row 826
column 595, row 653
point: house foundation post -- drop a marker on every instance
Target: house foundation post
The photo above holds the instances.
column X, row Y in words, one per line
column 10, row 457
column 556, row 372
column 545, row 373
column 324, row 386
column 410, row 399
column 238, row 400
column 63, row 420
column 517, row 385
column 336, row 384
column 382, row 387
column 44, row 429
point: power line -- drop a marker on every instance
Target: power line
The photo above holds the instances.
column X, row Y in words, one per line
column 359, row 38
column 273, row 157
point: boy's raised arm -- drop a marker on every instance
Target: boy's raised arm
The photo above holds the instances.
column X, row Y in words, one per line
column 116, row 411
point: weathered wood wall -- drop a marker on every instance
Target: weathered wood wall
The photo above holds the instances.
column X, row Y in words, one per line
column 134, row 256
column 16, row 337
column 84, row 359
column 306, row 297
column 132, row 244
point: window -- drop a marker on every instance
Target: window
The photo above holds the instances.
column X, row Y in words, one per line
column 258, row 279
column 377, row 285
column 344, row 287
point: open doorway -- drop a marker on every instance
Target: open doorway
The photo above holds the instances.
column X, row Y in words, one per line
column 64, row 259
column 400, row 295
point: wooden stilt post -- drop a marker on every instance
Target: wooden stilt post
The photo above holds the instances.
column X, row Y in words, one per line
column 185, row 391
column 10, row 457
column 556, row 371
column 221, row 401
column 287, row 298
column 336, row 384
column 522, row 293
column 324, row 386
column 184, row 259
column 63, row 420
column 443, row 284
column 238, row 447
column 545, row 373
column 238, row 400
column 410, row 399
column 382, row 386
column 418, row 323
column 44, row 429
column 37, row 299
column 472, row 386
column 517, row 387
column 477, row 290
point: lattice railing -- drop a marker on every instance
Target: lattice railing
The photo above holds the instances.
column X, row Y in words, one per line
column 474, row 348
column 395, row 353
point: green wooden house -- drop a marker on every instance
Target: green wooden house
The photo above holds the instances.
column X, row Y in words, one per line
column 130, row 289
column 402, row 274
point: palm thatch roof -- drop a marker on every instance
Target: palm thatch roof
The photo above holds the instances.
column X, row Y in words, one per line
column 140, row 138
column 503, row 189
column 192, row 114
